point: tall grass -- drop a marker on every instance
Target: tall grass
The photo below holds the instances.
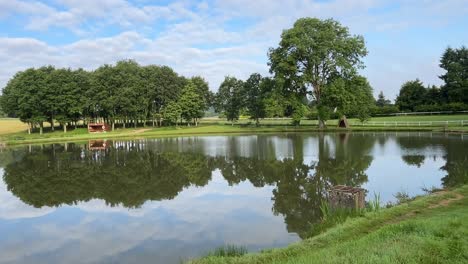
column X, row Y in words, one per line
column 374, row 205
column 228, row 251
column 334, row 216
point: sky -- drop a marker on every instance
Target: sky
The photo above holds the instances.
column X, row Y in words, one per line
column 218, row 38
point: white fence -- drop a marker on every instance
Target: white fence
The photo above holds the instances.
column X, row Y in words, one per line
column 412, row 123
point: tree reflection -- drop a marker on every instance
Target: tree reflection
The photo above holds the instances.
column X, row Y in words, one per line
column 131, row 172
column 52, row 176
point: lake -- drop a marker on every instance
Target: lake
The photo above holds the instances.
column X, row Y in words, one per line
column 171, row 199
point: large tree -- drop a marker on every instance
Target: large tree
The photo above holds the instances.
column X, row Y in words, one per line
column 411, row 94
column 229, row 98
column 314, row 52
column 255, row 96
column 192, row 103
column 455, row 62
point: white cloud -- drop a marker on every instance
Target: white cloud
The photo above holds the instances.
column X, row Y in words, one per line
column 194, row 38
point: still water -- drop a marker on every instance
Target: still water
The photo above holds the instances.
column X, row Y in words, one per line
column 166, row 200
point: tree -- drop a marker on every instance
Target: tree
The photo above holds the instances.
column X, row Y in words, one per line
column 412, row 94
column 229, row 98
column 172, row 112
column 255, row 97
column 381, row 100
column 26, row 96
column 433, row 96
column 455, row 62
column 203, row 91
column 313, row 53
column 352, row 98
column 192, row 103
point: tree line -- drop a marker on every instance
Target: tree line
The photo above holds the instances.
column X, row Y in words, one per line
column 314, row 74
column 450, row 96
column 122, row 94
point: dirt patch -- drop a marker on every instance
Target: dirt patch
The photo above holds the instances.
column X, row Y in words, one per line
column 446, row 202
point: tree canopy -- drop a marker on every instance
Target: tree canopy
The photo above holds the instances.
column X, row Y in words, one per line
column 313, row 53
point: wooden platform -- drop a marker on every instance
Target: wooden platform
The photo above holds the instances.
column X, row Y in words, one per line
column 347, row 196
column 98, row 127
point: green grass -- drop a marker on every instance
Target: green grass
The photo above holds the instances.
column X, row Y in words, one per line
column 12, row 131
column 430, row 229
column 410, row 118
column 228, row 251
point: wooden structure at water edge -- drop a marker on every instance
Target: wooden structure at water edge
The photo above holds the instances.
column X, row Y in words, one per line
column 98, row 127
column 347, row 196
column 343, row 122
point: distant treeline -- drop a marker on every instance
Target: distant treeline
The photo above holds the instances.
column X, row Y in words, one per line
column 451, row 96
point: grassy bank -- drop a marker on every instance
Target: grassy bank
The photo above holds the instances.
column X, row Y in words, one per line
column 430, row 229
column 12, row 131
column 82, row 134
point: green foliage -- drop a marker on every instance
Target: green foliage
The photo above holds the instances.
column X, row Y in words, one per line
column 172, row 112
column 402, row 197
column 230, row 98
column 412, row 93
column 381, row 100
column 384, row 110
column 254, row 90
column 113, row 93
column 191, row 102
column 228, row 251
column 352, row 97
column 314, row 52
column 455, row 63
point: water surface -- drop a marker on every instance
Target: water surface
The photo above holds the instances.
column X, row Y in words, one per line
column 163, row 200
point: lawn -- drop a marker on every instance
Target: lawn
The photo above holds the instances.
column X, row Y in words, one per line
column 12, row 131
column 431, row 229
column 412, row 119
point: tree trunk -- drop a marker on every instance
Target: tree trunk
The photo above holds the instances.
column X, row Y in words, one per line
column 135, row 123
column 29, row 128
column 113, row 125
column 257, row 122
column 52, row 125
column 321, row 123
column 41, row 128
column 64, row 127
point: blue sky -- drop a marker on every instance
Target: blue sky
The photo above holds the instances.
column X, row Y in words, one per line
column 216, row 38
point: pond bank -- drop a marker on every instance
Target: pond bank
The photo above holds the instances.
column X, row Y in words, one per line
column 429, row 229
column 81, row 134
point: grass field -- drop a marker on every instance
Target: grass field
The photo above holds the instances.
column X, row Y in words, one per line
column 12, row 131
column 412, row 119
column 11, row 125
column 431, row 229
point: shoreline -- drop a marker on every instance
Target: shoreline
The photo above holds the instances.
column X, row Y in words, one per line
column 202, row 130
column 379, row 236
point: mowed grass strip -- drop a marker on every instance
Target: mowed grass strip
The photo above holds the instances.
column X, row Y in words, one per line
column 431, row 229
column 12, row 131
